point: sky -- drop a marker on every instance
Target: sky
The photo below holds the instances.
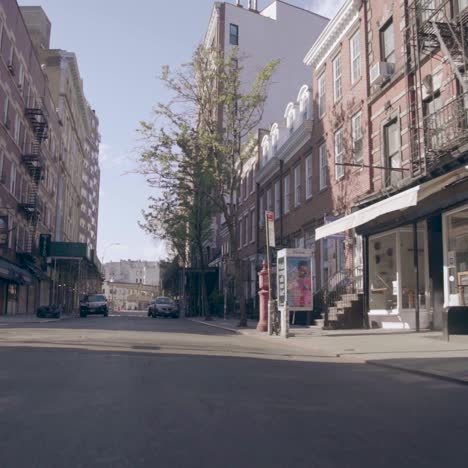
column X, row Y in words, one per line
column 121, row 47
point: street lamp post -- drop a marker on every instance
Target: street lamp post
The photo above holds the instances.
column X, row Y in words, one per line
column 108, row 247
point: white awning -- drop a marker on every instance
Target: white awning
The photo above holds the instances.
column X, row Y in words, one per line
column 398, row 202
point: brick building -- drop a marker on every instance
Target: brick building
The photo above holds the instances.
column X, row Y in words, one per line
column 42, row 259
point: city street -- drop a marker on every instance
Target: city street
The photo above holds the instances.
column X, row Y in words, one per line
column 130, row 391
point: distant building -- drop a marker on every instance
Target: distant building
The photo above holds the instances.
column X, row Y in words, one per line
column 129, row 296
column 134, row 271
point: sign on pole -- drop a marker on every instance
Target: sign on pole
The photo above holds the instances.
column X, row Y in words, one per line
column 270, row 228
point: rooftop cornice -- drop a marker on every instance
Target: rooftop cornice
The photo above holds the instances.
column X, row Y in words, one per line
column 296, row 141
column 333, row 33
column 268, row 170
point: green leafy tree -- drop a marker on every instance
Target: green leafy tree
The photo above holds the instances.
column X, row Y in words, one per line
column 199, row 141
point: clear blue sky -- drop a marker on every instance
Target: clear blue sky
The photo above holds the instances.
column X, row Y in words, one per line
column 121, row 46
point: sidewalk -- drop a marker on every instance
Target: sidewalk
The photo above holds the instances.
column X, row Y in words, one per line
column 20, row 318
column 424, row 353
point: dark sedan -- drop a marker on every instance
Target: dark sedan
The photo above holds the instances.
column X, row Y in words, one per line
column 163, row 307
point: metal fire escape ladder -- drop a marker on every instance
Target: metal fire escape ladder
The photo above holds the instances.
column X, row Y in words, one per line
column 33, row 161
column 453, row 50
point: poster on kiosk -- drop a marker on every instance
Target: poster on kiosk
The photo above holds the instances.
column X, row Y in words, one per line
column 294, row 276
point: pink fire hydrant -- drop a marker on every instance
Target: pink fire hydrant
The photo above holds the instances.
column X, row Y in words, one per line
column 264, row 295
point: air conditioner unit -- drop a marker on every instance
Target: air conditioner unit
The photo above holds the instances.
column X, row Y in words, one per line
column 380, row 72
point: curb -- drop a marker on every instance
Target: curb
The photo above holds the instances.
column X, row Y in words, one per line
column 433, row 375
column 214, row 325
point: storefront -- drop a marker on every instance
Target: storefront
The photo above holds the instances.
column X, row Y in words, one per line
column 416, row 252
column 398, row 278
column 455, row 230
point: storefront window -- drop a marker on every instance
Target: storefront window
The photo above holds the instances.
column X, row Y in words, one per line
column 457, row 257
column 383, row 273
column 408, row 270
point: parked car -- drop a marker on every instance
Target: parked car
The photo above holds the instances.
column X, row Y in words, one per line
column 49, row 311
column 163, row 307
column 94, row 304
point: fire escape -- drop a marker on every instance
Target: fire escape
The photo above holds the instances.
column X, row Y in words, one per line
column 437, row 25
column 33, row 161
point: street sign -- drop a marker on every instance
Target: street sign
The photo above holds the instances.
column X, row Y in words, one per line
column 270, row 228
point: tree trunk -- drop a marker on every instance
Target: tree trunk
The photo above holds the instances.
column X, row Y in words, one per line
column 240, row 291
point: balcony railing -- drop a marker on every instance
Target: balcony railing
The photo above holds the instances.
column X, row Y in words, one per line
column 446, row 129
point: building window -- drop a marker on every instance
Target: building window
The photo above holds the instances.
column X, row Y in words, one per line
column 252, row 225
column 246, row 228
column 13, row 179
column 286, row 194
column 323, row 166
column 17, row 129
column 356, row 133
column 321, row 95
column 277, row 199
column 234, row 34
column 387, row 42
column 269, row 200
column 297, row 185
column 5, row 112
column 308, row 163
column 355, row 49
column 261, row 210
column 337, row 78
column 392, row 153
column 339, row 168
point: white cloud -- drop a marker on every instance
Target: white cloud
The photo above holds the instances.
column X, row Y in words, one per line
column 109, row 156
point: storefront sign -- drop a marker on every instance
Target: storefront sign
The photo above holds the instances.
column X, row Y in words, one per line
column 295, row 279
column 3, row 231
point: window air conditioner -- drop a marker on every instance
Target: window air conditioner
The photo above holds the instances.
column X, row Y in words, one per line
column 380, row 72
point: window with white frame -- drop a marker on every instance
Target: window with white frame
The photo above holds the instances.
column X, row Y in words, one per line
column 286, row 194
column 265, row 150
column 13, row 179
column 290, row 119
column 252, row 180
column 17, row 129
column 356, row 133
column 297, row 185
column 308, row 164
column 274, row 140
column 387, row 42
column 355, row 53
column 337, row 78
column 339, row 168
column 323, row 162
column 21, row 76
column 321, row 95
column 277, row 199
column 304, row 104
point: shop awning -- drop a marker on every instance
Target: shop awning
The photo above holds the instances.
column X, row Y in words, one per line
column 397, row 202
column 10, row 272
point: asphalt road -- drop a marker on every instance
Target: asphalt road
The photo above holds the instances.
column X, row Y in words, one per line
column 66, row 404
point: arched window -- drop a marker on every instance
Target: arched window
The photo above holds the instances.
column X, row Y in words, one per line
column 274, row 132
column 265, row 149
column 304, row 102
column 290, row 116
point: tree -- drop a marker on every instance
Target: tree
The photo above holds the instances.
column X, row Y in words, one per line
column 200, row 140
